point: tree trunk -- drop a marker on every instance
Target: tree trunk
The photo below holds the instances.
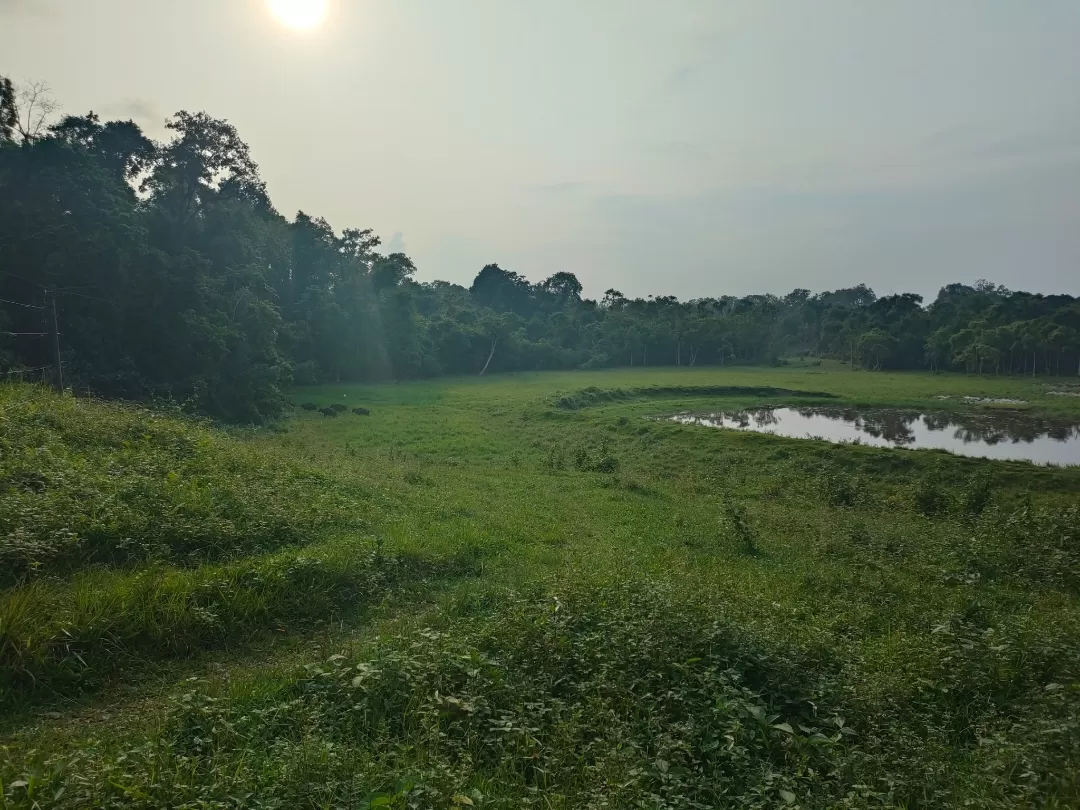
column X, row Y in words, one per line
column 492, row 354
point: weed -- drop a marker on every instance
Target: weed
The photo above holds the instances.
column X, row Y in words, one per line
column 739, row 527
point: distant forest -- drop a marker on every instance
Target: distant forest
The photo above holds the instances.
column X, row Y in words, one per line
column 173, row 275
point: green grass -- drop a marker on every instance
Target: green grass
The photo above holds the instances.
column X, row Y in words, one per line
column 518, row 591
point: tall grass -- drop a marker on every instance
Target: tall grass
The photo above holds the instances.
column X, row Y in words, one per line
column 91, row 483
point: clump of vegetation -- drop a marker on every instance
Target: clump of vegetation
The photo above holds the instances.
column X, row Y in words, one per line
column 976, row 494
column 612, row 697
column 71, row 637
column 587, row 397
column 606, row 464
column 739, row 527
column 840, row 487
column 929, row 494
column 91, row 483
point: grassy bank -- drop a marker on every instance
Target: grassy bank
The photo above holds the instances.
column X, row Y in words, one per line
column 576, row 606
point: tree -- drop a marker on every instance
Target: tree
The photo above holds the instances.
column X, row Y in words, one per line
column 564, row 286
column 9, row 111
column 30, row 108
column 120, row 145
column 206, row 155
column 502, row 290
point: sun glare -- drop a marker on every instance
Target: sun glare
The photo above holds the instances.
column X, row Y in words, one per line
column 300, row 14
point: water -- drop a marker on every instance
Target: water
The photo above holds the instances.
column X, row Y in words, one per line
column 1004, row 435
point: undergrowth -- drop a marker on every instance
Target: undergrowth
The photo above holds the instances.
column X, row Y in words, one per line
column 575, row 606
column 93, row 483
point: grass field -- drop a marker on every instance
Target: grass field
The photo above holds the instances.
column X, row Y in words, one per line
column 518, row 591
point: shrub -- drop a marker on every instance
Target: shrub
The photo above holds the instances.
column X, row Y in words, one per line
column 928, row 493
column 740, row 528
column 607, row 464
column 976, row 494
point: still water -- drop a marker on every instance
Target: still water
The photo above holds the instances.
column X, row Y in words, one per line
column 1015, row 435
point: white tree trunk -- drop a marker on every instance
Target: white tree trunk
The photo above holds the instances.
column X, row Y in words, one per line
column 492, row 354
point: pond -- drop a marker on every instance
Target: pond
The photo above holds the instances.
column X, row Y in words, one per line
column 1004, row 435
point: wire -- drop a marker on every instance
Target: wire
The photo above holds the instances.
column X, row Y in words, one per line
column 20, row 304
column 11, row 240
column 82, row 295
column 22, row 278
column 57, row 291
column 17, row 334
column 27, row 370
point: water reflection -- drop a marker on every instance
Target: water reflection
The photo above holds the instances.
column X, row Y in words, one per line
column 987, row 434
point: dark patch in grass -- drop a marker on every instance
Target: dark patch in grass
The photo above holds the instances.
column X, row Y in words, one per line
column 586, row 397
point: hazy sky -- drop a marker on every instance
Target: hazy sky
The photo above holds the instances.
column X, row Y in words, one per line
column 687, row 147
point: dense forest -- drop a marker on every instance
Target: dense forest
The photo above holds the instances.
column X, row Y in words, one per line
column 171, row 274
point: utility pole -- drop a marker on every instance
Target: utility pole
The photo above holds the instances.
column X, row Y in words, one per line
column 54, row 332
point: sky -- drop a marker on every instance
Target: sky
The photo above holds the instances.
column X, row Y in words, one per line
column 685, row 147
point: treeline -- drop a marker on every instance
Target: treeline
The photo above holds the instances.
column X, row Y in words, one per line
column 174, row 275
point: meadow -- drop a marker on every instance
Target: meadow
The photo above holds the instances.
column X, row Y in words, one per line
column 522, row 591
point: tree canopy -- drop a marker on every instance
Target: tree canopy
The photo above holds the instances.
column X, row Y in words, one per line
column 176, row 276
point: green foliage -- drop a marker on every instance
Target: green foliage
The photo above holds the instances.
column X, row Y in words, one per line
column 977, row 494
column 840, row 487
column 739, row 527
column 75, row 636
column 929, row 494
column 471, row 618
column 592, row 395
column 614, row 697
column 88, row 483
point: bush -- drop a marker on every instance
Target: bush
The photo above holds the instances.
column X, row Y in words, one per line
column 740, row 528
column 976, row 494
column 928, row 493
column 607, row 464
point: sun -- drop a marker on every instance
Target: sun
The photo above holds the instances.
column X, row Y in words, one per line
column 300, row 14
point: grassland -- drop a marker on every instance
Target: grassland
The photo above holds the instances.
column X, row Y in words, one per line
column 520, row 592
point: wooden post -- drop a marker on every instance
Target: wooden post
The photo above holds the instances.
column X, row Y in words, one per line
column 54, row 331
